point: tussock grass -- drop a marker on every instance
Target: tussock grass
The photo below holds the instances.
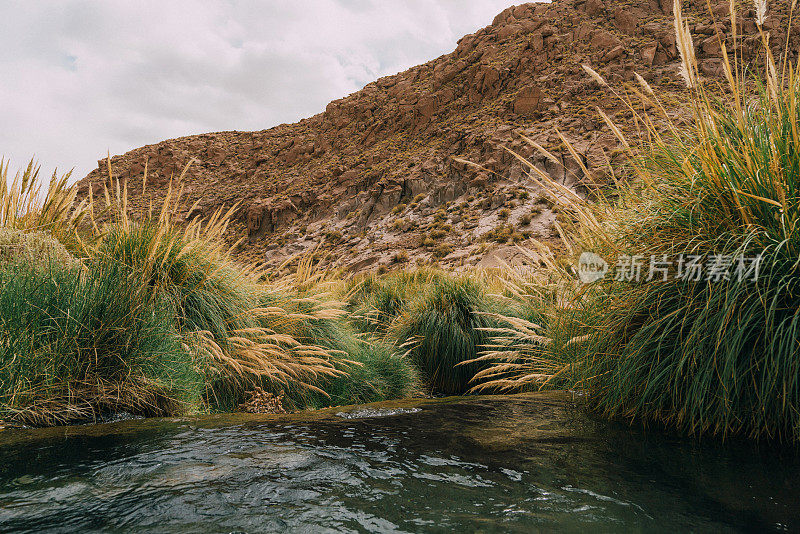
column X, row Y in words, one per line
column 185, row 327
column 377, row 301
column 719, row 357
column 709, row 356
column 78, row 343
column 34, row 248
column 443, row 329
column 437, row 321
column 25, row 204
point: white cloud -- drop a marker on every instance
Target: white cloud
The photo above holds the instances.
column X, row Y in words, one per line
column 82, row 77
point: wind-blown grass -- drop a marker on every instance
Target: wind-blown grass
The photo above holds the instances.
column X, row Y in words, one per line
column 26, row 205
column 538, row 346
column 186, row 327
column 249, row 331
column 370, row 369
column 720, row 354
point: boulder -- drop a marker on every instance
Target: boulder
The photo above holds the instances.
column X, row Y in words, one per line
column 594, row 8
column 625, row 21
column 528, row 100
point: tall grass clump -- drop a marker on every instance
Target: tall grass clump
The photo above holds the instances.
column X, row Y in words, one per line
column 445, row 327
column 539, row 344
column 156, row 318
column 376, row 301
column 76, row 344
column 716, row 352
column 240, row 327
column 33, row 247
column 369, row 369
column 27, row 205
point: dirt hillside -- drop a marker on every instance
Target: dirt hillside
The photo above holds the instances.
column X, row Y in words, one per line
column 380, row 178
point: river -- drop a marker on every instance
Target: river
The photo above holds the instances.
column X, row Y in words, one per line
column 518, row 463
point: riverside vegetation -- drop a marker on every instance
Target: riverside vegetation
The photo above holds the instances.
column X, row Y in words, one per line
column 99, row 312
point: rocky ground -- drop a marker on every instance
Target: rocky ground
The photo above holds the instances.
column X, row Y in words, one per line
column 414, row 168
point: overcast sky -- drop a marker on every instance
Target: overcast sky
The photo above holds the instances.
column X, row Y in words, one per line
column 82, row 77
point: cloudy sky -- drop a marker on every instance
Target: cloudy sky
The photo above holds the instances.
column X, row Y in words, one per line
column 82, row 77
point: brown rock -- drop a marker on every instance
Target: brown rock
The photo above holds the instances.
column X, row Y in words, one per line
column 255, row 218
column 488, row 81
column 625, row 21
column 649, row 53
column 536, row 42
column 509, row 30
column 528, row 101
column 614, row 53
column 605, row 40
column 594, row 8
column 712, row 67
column 711, row 47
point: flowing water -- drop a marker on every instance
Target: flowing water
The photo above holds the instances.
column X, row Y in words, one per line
column 482, row 464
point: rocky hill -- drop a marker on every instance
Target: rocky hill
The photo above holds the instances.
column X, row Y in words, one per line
column 383, row 176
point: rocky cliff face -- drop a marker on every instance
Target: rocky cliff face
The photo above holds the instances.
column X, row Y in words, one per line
column 414, row 167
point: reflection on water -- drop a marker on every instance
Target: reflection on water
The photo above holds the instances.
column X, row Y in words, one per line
column 516, row 463
column 363, row 413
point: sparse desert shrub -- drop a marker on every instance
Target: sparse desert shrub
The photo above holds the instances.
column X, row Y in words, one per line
column 525, row 220
column 401, row 256
column 400, row 208
column 504, row 213
column 501, row 233
column 333, row 236
column 545, row 200
column 438, row 233
column 442, row 250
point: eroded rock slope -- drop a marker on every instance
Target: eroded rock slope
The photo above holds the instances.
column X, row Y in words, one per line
column 381, row 177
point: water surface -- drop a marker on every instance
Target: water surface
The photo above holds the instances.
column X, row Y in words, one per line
column 482, row 464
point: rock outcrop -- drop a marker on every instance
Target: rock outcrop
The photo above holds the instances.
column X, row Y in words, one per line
column 418, row 166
